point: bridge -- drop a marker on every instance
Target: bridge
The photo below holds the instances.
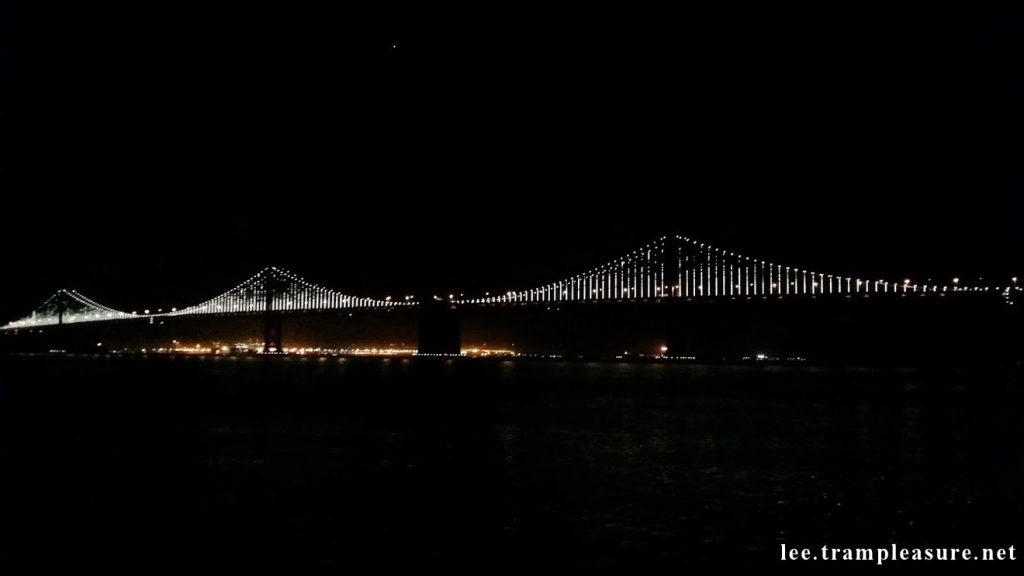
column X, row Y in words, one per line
column 669, row 269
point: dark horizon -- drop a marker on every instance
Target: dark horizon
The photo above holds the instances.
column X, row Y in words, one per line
column 875, row 143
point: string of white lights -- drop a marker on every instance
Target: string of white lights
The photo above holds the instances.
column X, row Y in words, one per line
column 66, row 306
column 676, row 267
column 684, row 267
column 288, row 292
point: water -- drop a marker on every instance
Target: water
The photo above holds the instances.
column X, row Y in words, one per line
column 320, row 465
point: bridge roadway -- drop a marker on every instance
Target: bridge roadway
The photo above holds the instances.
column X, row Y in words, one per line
column 674, row 272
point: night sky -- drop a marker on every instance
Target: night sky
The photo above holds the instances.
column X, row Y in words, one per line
column 157, row 153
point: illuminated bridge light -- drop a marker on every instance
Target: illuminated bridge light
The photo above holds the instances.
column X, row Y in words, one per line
column 670, row 267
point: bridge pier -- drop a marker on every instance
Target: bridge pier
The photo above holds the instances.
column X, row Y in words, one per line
column 440, row 328
column 272, row 320
column 272, row 334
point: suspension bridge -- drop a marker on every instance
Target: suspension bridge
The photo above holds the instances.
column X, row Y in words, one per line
column 671, row 268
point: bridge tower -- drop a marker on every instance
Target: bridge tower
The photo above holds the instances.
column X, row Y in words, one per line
column 271, row 319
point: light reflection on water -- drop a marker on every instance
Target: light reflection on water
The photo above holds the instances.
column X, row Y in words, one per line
column 275, row 461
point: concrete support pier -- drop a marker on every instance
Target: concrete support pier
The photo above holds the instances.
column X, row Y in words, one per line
column 440, row 328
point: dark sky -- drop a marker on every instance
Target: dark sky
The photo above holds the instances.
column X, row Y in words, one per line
column 156, row 153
